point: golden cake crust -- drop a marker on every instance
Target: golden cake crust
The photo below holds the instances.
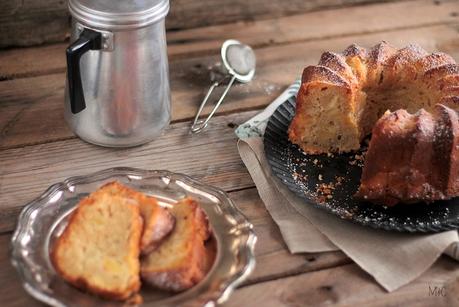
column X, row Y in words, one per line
column 106, row 217
column 343, row 99
column 412, row 158
column 117, row 235
column 158, row 221
column 87, row 256
column 189, row 263
column 361, row 85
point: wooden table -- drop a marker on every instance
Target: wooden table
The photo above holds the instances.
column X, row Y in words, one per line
column 37, row 149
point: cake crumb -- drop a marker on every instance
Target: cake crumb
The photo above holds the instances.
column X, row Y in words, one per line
column 325, row 190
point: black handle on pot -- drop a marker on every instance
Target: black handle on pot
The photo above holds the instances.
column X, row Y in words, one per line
column 88, row 40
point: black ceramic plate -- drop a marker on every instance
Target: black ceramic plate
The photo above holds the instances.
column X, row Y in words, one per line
column 330, row 181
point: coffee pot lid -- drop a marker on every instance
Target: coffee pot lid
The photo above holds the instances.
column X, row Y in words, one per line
column 118, row 15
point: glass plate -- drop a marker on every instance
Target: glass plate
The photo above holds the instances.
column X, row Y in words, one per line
column 44, row 219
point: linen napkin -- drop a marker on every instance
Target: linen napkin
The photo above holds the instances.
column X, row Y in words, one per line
column 392, row 258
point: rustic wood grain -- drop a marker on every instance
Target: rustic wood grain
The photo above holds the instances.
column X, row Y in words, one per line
column 29, row 22
column 26, row 172
column 273, row 259
column 11, row 290
column 189, row 13
column 31, row 113
column 311, row 26
column 31, row 109
column 348, row 285
column 317, row 25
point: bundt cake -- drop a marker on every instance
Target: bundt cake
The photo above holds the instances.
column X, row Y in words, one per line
column 181, row 261
column 342, row 97
column 412, row 157
column 413, row 152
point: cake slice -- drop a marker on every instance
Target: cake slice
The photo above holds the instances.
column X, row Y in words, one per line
column 180, row 261
column 158, row 221
column 412, row 158
column 323, row 120
column 99, row 249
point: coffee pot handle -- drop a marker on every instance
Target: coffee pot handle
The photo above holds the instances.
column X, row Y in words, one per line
column 88, row 40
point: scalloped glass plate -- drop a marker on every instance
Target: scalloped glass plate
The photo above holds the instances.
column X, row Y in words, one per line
column 44, row 219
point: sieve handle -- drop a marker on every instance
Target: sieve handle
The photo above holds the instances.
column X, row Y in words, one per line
column 199, row 125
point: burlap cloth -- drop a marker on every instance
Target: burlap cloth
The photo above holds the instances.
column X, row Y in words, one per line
column 392, row 258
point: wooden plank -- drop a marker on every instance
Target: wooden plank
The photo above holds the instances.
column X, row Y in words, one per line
column 345, row 21
column 350, row 286
column 29, row 22
column 11, row 290
column 317, row 25
column 191, row 14
column 26, row 172
column 273, row 259
column 31, row 109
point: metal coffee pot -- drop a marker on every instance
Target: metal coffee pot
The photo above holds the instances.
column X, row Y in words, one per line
column 117, row 92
